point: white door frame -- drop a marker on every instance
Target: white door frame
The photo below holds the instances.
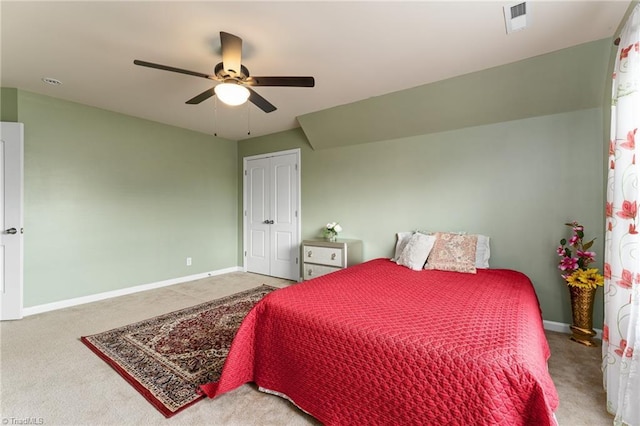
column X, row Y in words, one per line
column 245, row 243
column 11, row 203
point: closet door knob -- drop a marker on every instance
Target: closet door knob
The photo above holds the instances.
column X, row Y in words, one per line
column 11, row 231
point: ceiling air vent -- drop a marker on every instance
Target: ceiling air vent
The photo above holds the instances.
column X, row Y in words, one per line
column 517, row 16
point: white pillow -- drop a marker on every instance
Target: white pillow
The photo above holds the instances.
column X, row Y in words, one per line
column 415, row 253
column 401, row 243
column 482, row 252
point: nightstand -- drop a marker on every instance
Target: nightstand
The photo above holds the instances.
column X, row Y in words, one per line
column 321, row 257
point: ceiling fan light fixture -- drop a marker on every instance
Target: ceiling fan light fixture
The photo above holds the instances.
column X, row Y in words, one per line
column 232, row 93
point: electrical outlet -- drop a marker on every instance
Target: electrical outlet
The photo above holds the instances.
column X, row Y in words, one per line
column 188, row 261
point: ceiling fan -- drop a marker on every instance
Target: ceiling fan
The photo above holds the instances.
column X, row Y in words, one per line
column 234, row 87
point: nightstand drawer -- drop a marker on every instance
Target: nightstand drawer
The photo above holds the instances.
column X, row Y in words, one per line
column 330, row 256
column 314, row 271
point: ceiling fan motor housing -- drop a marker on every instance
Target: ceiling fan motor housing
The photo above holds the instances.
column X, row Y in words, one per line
column 224, row 75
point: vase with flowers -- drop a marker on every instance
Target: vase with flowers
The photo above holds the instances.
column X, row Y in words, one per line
column 331, row 230
column 581, row 280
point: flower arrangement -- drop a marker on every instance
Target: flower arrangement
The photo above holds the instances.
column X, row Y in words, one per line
column 575, row 259
column 331, row 230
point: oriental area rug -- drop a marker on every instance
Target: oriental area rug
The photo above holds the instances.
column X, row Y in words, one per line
column 167, row 357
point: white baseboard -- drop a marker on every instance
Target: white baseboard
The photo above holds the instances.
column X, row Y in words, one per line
column 32, row 310
column 561, row 327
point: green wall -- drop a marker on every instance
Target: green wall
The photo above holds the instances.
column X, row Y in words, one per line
column 517, row 182
column 113, row 201
column 8, row 104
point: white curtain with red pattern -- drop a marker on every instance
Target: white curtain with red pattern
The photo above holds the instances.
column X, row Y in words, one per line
column 621, row 330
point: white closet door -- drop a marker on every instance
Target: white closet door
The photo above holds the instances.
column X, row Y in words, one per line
column 271, row 225
column 257, row 194
column 285, row 248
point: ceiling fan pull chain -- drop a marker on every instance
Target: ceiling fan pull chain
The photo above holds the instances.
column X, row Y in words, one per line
column 215, row 116
column 248, row 119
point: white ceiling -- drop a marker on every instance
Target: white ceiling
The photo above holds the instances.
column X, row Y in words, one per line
column 355, row 50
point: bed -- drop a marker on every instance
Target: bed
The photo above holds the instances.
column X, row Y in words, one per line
column 379, row 343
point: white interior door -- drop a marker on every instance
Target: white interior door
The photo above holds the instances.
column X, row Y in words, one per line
column 11, row 176
column 271, row 206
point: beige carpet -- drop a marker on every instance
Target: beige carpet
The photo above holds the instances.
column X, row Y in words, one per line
column 49, row 377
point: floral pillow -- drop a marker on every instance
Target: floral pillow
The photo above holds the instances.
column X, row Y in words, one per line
column 415, row 253
column 483, row 251
column 453, row 252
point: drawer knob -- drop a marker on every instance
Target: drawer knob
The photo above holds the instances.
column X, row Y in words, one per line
column 310, row 272
column 309, row 253
column 333, row 256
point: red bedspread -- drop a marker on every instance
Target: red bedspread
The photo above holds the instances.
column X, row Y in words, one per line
column 378, row 343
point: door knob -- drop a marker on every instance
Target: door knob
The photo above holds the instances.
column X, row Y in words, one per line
column 11, row 231
column 268, row 222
